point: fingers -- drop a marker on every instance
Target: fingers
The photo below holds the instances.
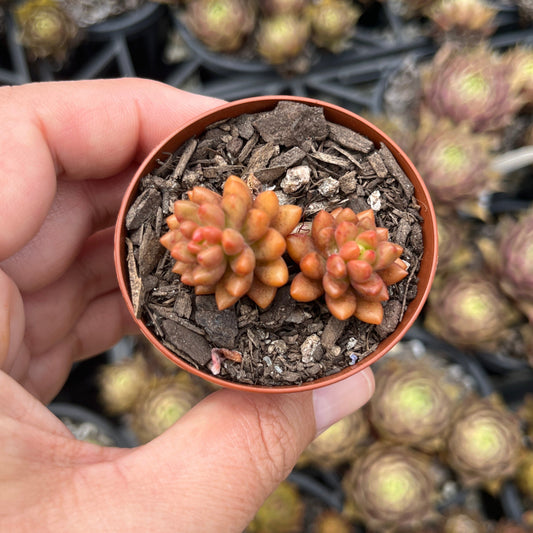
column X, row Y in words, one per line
column 12, row 324
column 91, row 275
column 103, row 323
column 77, row 130
column 63, row 234
column 225, row 456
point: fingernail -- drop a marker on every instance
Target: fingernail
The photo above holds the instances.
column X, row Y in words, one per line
column 335, row 401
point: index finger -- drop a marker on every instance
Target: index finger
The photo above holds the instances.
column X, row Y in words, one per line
column 75, row 131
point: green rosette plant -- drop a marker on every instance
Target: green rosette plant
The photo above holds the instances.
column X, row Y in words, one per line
column 472, row 85
column 410, row 405
column 465, row 21
column 521, row 60
column 456, row 163
column 282, row 7
column 282, row 38
column 331, row 521
column 348, row 258
column 484, row 444
column 524, row 475
column 339, row 444
column 162, row 403
column 282, row 512
column 45, row 29
column 462, row 521
column 391, row 488
column 222, row 25
column 232, row 244
column 514, row 260
column 469, row 310
column 332, row 23
column 120, row 383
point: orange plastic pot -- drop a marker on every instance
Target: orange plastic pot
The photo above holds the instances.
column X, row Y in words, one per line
column 334, row 114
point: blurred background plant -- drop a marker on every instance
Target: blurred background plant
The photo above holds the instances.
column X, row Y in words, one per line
column 446, row 443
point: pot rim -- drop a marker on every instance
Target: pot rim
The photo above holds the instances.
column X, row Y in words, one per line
column 333, row 113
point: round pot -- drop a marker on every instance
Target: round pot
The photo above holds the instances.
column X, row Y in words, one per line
column 333, row 114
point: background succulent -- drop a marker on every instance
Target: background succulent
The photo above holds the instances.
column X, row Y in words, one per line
column 45, row 29
column 471, row 85
column 348, row 258
column 484, row 444
column 231, row 245
column 466, row 21
column 332, row 23
column 222, row 25
column 515, row 260
column 120, row 383
column 391, row 488
column 455, row 162
column 282, row 38
column 469, row 310
column 339, row 444
column 162, row 403
column 410, row 404
column 283, row 511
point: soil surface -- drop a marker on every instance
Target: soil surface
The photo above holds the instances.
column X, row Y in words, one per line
column 309, row 162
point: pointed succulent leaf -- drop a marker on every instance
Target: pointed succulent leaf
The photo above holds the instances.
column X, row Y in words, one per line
column 286, row 219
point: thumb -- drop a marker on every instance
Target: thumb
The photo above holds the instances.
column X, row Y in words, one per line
column 213, row 469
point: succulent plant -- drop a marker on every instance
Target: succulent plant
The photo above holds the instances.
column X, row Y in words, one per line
column 282, row 38
column 455, row 249
column 231, row 245
column 455, row 162
column 222, row 25
column 410, row 405
column 468, row 310
column 282, row 512
column 484, row 443
column 282, row 7
column 521, row 60
column 461, row 521
column 347, row 257
column 514, row 260
column 466, row 21
column 331, row 521
column 120, row 383
column 161, row 404
column 472, row 85
column 332, row 23
column 45, row 29
column 524, row 475
column 390, row 488
column 338, row 444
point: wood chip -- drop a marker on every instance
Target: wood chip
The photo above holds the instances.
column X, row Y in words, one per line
column 190, row 147
column 136, row 284
column 378, row 165
column 396, row 170
column 349, row 139
column 187, row 342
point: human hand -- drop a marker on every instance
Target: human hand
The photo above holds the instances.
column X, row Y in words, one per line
column 68, row 153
